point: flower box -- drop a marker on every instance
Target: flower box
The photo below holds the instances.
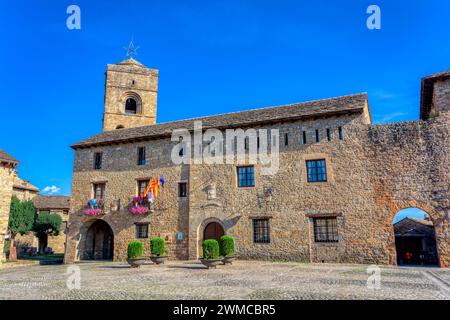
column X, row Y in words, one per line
column 94, row 207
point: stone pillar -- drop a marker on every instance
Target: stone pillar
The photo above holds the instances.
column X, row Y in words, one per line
column 6, row 188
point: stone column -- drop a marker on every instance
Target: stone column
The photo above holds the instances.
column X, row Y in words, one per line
column 6, row 187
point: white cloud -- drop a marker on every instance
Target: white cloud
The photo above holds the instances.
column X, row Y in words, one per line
column 51, row 189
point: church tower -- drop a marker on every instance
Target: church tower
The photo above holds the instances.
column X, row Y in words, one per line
column 131, row 91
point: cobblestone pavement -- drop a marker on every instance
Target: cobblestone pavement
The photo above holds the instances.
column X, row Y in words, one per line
column 242, row 280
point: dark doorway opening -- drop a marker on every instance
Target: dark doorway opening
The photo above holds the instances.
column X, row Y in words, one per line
column 99, row 242
column 415, row 239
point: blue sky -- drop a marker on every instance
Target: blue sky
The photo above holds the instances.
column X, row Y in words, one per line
column 213, row 57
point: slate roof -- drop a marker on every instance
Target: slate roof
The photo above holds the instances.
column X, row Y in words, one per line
column 24, row 184
column 427, row 92
column 130, row 61
column 7, row 158
column 51, row 202
column 290, row 112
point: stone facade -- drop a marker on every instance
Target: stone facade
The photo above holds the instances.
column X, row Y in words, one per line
column 373, row 171
column 129, row 79
column 24, row 190
column 7, row 174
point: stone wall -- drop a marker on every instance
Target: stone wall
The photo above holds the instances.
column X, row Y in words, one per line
column 375, row 171
column 6, row 186
column 129, row 79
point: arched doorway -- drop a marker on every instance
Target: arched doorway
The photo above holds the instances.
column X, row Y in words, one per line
column 213, row 230
column 415, row 239
column 99, row 242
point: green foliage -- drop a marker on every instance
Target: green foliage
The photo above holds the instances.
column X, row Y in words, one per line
column 47, row 224
column 158, row 246
column 210, row 249
column 21, row 216
column 226, row 246
column 6, row 246
column 135, row 249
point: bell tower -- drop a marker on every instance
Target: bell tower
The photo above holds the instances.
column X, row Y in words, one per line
column 131, row 91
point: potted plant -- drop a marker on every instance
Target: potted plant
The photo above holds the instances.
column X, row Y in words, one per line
column 94, row 207
column 135, row 253
column 158, row 250
column 210, row 253
column 227, row 249
column 138, row 206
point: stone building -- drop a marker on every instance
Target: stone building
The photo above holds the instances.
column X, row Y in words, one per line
column 23, row 189
column 51, row 204
column 8, row 166
column 341, row 179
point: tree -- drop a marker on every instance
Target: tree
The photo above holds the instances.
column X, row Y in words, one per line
column 21, row 219
column 46, row 224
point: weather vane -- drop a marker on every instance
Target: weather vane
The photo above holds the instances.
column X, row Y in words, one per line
column 131, row 49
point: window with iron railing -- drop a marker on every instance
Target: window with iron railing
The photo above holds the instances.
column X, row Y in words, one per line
column 325, row 230
column 261, row 231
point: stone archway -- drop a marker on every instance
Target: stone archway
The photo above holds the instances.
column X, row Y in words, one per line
column 436, row 223
column 99, row 242
column 212, row 228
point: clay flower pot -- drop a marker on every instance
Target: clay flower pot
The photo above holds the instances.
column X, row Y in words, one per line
column 136, row 263
column 228, row 259
column 211, row 263
column 158, row 259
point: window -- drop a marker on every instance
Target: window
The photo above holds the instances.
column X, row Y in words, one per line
column 131, row 106
column 317, row 171
column 97, row 160
column 99, row 190
column 286, row 139
column 328, row 134
column 341, row 134
column 141, row 230
column 317, row 136
column 304, row 137
column 246, row 176
column 261, row 232
column 325, row 230
column 142, row 185
column 182, row 189
column 141, row 156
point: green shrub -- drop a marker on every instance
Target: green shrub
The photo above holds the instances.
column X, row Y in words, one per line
column 210, row 249
column 158, row 247
column 226, row 246
column 135, row 249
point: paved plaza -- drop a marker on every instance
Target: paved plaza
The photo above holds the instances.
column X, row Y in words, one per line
column 242, row 280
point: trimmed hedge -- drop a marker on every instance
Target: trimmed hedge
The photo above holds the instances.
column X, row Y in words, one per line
column 210, row 249
column 226, row 246
column 135, row 250
column 158, row 247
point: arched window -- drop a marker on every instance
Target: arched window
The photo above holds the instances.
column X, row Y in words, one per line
column 131, row 106
column 120, row 126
